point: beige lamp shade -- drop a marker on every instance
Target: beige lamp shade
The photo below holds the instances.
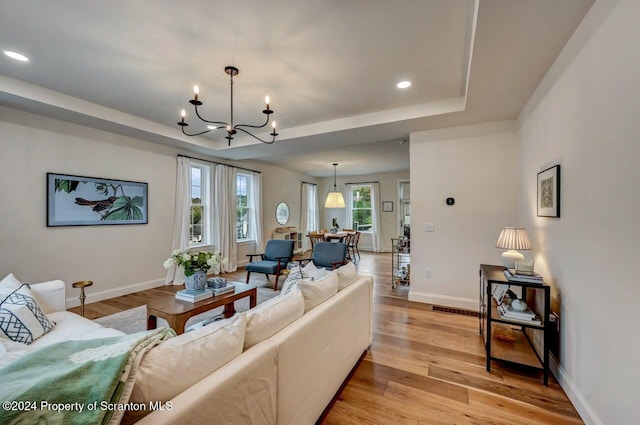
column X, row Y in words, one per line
column 514, row 239
column 334, row 197
column 334, row 200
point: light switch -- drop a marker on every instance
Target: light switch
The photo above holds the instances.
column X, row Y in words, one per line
column 428, row 227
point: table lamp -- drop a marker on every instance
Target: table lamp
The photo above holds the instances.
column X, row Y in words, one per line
column 514, row 239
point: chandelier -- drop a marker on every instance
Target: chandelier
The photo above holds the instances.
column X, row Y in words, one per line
column 231, row 128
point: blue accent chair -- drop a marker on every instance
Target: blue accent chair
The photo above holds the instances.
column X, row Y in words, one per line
column 275, row 258
column 329, row 255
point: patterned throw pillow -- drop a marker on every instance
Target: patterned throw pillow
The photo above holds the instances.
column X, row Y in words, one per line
column 295, row 275
column 21, row 318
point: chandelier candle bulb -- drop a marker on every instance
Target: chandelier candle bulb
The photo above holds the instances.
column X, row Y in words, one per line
column 196, row 91
column 266, row 100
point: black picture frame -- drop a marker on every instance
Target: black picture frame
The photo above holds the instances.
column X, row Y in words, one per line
column 548, row 198
column 387, row 206
column 94, row 201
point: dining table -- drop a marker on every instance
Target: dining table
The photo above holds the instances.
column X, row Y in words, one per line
column 339, row 236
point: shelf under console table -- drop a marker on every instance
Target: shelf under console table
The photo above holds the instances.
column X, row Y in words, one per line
column 524, row 350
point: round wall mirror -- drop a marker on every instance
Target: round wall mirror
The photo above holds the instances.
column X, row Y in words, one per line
column 282, row 213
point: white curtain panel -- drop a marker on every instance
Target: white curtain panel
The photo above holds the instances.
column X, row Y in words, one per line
column 255, row 211
column 180, row 241
column 224, row 208
column 309, row 213
column 375, row 213
column 348, row 223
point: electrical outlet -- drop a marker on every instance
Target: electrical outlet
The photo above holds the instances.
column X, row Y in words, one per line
column 427, row 272
column 428, row 227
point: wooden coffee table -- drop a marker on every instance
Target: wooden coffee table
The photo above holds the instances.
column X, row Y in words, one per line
column 165, row 305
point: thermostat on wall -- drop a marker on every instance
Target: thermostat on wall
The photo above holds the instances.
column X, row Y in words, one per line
column 451, row 201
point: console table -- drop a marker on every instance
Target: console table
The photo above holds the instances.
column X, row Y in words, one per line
column 522, row 351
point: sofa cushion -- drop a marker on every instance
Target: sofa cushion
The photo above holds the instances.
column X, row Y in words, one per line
column 71, row 326
column 271, row 316
column 21, row 318
column 347, row 274
column 175, row 365
column 11, row 350
column 50, row 295
column 317, row 291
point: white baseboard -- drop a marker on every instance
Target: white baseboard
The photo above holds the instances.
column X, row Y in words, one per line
column 443, row 300
column 586, row 412
column 111, row 293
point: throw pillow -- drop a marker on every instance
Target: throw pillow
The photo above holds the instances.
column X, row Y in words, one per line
column 173, row 366
column 316, row 292
column 10, row 282
column 21, row 318
column 309, row 272
column 347, row 274
column 292, row 279
column 50, row 295
column 271, row 316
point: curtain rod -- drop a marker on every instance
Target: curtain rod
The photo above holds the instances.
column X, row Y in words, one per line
column 220, row 163
column 364, row 183
column 315, row 184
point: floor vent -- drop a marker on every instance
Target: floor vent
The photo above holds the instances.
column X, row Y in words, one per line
column 455, row 310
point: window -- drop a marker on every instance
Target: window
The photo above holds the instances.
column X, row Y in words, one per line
column 243, row 220
column 361, row 207
column 198, row 220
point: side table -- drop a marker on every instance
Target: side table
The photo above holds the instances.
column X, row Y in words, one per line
column 82, row 284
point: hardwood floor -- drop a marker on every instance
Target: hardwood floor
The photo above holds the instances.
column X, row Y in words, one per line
column 424, row 367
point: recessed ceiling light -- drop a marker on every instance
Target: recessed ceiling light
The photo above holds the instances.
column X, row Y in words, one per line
column 403, row 84
column 16, row 56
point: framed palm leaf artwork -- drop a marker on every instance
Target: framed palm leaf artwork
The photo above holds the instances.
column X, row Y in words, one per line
column 92, row 201
column 549, row 192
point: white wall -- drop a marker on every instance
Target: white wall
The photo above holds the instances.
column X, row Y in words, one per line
column 114, row 257
column 120, row 259
column 388, row 192
column 477, row 166
column 586, row 117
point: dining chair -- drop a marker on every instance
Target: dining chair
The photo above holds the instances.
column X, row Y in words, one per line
column 315, row 238
column 353, row 246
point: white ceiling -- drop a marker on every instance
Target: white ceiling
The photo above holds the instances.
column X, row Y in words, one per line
column 330, row 68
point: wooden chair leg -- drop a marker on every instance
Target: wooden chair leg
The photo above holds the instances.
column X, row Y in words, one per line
column 275, row 285
column 248, row 274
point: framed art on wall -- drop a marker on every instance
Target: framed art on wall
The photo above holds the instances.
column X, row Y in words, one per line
column 387, row 206
column 548, row 204
column 92, row 201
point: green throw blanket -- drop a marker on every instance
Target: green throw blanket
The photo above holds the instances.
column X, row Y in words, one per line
column 74, row 382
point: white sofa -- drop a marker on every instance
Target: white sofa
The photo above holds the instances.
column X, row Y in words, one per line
column 286, row 379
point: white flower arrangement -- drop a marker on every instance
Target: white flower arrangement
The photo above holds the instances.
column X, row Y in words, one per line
column 196, row 261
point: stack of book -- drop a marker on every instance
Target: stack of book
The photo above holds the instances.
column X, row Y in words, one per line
column 514, row 276
column 230, row 287
column 527, row 316
column 193, row 296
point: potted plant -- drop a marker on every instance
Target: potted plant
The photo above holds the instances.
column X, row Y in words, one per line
column 195, row 265
column 335, row 225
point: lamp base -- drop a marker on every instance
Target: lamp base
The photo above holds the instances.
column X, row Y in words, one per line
column 510, row 257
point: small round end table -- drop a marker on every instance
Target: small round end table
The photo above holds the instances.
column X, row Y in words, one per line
column 82, row 284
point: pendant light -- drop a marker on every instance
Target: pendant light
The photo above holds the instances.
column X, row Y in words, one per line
column 334, row 197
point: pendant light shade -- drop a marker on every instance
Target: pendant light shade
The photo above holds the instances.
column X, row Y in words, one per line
column 334, row 197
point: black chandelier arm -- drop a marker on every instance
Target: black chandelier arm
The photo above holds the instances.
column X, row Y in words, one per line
column 207, row 121
column 237, row 126
column 256, row 137
column 194, row 134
